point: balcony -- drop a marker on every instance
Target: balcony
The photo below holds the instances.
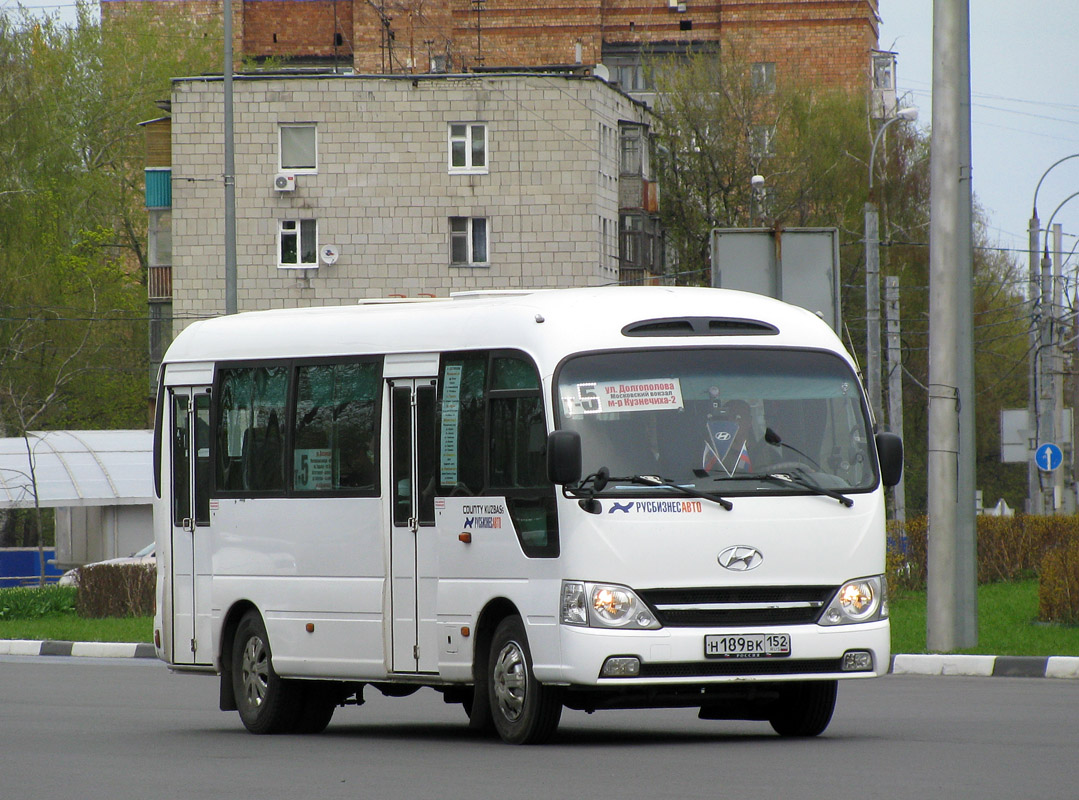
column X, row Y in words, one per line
column 159, row 283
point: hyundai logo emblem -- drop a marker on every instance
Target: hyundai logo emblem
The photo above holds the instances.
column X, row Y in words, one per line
column 740, row 558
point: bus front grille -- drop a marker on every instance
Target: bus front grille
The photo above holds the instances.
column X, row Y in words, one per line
column 736, row 607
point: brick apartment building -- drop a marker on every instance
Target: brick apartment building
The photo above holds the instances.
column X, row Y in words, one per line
column 563, row 198
column 823, row 42
column 352, row 187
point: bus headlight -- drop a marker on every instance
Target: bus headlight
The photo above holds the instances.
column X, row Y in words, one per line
column 862, row 600
column 604, row 605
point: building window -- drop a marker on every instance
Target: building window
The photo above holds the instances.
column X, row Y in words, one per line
column 468, row 240
column 632, row 150
column 762, row 141
column 630, row 76
column 298, row 148
column 468, row 147
column 763, row 77
column 298, row 244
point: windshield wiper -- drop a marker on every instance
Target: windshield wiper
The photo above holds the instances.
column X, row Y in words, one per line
column 658, row 480
column 794, row 475
column 596, row 482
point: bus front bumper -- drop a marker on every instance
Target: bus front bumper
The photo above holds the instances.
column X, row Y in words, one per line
column 599, row 657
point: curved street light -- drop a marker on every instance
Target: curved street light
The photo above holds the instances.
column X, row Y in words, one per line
column 909, row 113
column 1044, row 331
column 872, row 275
column 1035, row 499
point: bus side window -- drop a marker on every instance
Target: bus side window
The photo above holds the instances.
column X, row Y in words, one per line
column 335, row 445
column 461, row 423
column 518, row 438
column 517, row 454
column 250, row 439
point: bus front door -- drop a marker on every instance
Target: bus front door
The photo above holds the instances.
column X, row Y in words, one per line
column 413, row 575
column 190, row 425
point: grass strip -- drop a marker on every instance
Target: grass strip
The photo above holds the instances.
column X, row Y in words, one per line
column 1007, row 623
column 71, row 628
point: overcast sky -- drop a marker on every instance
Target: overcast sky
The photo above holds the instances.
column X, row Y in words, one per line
column 1025, row 106
column 1025, row 103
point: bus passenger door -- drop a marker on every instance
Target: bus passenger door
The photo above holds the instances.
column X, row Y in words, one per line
column 190, row 426
column 413, row 481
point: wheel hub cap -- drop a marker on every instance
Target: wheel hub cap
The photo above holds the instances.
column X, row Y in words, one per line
column 510, row 681
column 255, row 671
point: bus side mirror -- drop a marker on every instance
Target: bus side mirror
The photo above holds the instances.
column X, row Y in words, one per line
column 890, row 453
column 563, row 457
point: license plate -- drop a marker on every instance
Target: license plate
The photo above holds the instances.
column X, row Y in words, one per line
column 748, row 645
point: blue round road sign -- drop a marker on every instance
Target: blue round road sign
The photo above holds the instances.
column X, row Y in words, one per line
column 1048, row 457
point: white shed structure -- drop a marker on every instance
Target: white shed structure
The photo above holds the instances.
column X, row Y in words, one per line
column 99, row 482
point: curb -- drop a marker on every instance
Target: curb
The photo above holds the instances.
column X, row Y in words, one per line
column 987, row 666
column 49, row 647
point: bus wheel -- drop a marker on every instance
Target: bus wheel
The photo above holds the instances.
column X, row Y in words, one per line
column 318, row 704
column 523, row 710
column 267, row 704
column 805, row 708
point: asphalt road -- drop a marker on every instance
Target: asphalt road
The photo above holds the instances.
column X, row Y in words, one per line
column 127, row 728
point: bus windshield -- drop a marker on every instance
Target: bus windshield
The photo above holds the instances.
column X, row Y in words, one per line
column 724, row 420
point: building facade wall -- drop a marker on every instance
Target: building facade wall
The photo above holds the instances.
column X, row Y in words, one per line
column 825, row 42
column 383, row 193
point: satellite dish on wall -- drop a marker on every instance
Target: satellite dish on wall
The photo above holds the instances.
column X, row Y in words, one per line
column 601, row 72
column 329, row 254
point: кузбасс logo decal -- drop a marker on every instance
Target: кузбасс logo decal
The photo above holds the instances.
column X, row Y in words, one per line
column 741, row 558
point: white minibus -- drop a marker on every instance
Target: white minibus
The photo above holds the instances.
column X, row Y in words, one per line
column 616, row 497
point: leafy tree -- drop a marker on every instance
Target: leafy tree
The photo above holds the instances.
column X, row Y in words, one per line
column 73, row 328
column 714, row 118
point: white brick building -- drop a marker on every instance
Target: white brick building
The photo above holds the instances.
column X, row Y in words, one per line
column 406, row 185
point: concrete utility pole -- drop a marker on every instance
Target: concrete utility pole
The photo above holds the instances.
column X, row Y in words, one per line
column 1058, row 361
column 1034, row 481
column 895, row 389
column 230, row 172
column 952, row 619
column 872, row 310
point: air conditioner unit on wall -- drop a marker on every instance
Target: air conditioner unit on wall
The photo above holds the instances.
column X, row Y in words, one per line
column 284, row 182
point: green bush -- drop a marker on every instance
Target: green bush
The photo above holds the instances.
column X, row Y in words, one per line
column 1058, row 585
column 32, row 602
column 116, row 590
column 906, row 567
column 1009, row 548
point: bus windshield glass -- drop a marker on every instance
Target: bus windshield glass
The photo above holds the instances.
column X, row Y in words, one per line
column 724, row 420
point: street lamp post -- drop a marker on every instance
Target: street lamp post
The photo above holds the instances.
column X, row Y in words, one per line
column 1050, row 395
column 1038, row 304
column 872, row 275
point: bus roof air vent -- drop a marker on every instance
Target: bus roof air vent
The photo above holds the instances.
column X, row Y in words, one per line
column 699, row 326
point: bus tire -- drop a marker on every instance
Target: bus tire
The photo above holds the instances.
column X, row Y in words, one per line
column 805, row 708
column 523, row 710
column 266, row 703
column 316, row 709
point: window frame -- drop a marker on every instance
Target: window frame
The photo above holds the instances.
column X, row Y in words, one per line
column 469, row 236
column 763, row 77
column 281, row 166
column 468, row 168
column 298, row 233
column 762, row 140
